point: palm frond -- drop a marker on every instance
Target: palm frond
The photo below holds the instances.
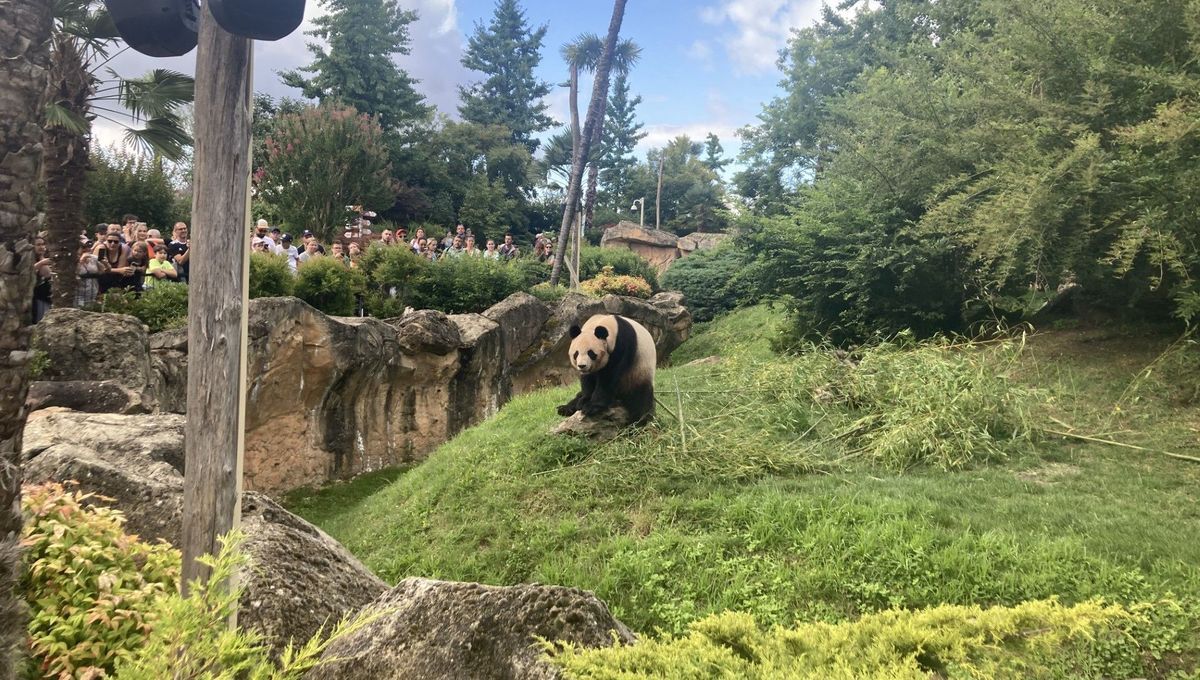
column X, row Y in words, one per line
column 60, row 116
column 583, row 51
column 163, row 135
column 159, row 93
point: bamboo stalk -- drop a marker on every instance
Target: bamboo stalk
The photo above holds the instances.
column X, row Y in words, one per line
column 1110, row 442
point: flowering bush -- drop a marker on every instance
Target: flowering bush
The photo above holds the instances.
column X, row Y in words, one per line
column 609, row 283
column 91, row 587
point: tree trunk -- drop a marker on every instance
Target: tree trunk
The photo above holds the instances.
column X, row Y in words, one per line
column 24, row 33
column 658, row 194
column 66, row 165
column 599, row 95
column 574, row 96
column 593, row 179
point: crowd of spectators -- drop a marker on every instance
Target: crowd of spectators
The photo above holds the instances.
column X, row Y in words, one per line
column 457, row 242
column 130, row 256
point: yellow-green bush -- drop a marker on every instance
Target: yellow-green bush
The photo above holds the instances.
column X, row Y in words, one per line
column 91, row 588
column 607, row 282
column 1037, row 639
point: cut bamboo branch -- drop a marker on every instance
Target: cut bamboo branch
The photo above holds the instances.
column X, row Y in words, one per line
column 1123, row 445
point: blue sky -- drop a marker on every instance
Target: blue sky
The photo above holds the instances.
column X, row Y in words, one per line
column 707, row 65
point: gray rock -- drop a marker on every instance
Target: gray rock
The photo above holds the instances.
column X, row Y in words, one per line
column 521, row 317
column 427, row 331
column 92, row 396
column 439, row 630
column 128, row 441
column 95, row 347
column 150, row 494
column 299, row 581
column 600, row 428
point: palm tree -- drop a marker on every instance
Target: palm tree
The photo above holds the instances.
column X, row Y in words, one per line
column 626, row 55
column 583, row 54
column 24, row 31
column 594, row 117
column 79, row 47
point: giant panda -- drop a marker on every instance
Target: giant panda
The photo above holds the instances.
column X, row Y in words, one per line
column 615, row 357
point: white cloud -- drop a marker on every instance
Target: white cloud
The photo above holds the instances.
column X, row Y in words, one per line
column 759, row 28
column 700, row 51
column 658, row 135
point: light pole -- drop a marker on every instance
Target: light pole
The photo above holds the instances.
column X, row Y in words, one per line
column 640, row 204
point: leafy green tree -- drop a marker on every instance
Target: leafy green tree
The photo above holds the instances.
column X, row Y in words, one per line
column 487, row 209
column 622, row 132
column 120, row 182
column 506, row 52
column 692, row 194
column 322, row 160
column 357, row 68
column 439, row 166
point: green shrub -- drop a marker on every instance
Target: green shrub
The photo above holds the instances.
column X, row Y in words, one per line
column 593, row 260
column 161, row 307
column 330, row 287
column 392, row 270
column 270, row 276
column 457, row 285
column 930, row 403
column 608, row 282
column 547, row 293
column 708, row 281
column 530, row 271
column 91, row 588
column 1033, row 639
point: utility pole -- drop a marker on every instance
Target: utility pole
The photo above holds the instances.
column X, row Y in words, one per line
column 658, row 198
column 218, row 283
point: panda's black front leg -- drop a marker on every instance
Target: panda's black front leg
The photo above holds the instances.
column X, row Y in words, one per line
column 602, row 400
column 587, row 384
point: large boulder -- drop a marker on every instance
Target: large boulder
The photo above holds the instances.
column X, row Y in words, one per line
column 90, row 346
column 440, row 630
column 659, row 248
column 299, row 579
column 520, row 317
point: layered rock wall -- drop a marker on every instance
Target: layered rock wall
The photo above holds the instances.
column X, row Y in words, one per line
column 330, row 397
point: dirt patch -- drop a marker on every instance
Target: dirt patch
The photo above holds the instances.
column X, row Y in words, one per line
column 1048, row 474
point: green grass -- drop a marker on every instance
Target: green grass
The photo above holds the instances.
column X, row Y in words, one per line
column 759, row 503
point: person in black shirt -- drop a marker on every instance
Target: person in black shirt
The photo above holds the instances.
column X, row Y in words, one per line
column 177, row 250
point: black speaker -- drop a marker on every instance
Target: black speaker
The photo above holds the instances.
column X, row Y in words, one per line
column 258, row 19
column 158, row 28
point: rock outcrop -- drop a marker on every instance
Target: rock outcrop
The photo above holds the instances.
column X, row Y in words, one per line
column 299, row 579
column 330, row 397
column 439, row 630
column 659, row 248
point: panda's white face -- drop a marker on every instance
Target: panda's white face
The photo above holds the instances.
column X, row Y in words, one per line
column 589, row 349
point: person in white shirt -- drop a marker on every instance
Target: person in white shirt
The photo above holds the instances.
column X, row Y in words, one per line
column 286, row 248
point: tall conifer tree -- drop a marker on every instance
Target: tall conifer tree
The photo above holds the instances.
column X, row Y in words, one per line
column 357, row 68
column 622, row 132
column 506, row 52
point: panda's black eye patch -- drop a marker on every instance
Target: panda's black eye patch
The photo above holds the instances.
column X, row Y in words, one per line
column 591, row 355
column 576, row 356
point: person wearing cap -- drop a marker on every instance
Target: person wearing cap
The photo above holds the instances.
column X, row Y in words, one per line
column 273, row 238
column 260, row 233
column 289, row 251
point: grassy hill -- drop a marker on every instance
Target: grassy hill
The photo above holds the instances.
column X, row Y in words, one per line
column 818, row 488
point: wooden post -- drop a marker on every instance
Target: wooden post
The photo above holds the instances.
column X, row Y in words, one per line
column 218, row 282
column 658, row 196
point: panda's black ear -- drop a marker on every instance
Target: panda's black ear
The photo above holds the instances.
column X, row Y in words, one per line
column 601, row 332
column 575, row 331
